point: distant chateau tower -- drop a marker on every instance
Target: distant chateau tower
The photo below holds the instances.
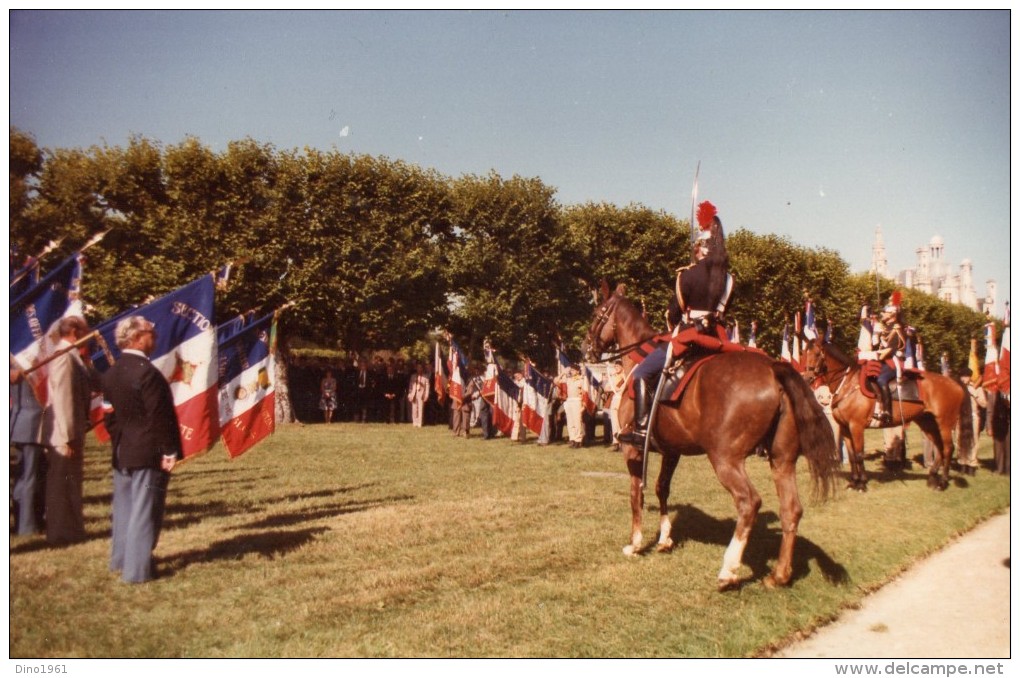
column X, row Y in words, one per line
column 879, row 262
column 933, row 275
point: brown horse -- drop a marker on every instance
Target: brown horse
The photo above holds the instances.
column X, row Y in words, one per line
column 734, row 403
column 942, row 401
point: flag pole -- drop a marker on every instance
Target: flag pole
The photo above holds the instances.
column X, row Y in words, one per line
column 34, row 261
column 94, row 334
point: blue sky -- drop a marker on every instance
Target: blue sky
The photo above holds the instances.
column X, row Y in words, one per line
column 819, row 126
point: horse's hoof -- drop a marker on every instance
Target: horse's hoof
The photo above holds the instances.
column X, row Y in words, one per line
column 771, row 581
column 724, row 585
column 664, row 546
column 629, row 550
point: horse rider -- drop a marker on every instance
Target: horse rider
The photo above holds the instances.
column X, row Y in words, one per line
column 702, row 292
column 891, row 355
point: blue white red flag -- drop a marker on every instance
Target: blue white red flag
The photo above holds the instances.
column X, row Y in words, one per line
column 504, row 398
column 185, row 353
column 784, row 351
column 458, row 373
column 34, row 313
column 535, row 399
column 735, row 333
column 591, row 394
column 828, row 332
column 810, row 329
column 866, row 335
column 231, row 327
column 1004, row 360
column 562, row 361
column 752, row 340
column 246, row 379
column 795, row 357
column 439, row 376
column 909, row 352
column 991, row 374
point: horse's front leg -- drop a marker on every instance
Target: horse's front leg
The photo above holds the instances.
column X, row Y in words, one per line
column 669, row 464
column 637, row 505
column 858, row 476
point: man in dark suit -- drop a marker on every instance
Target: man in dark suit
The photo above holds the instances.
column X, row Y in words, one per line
column 26, row 437
column 146, row 445
column 65, row 422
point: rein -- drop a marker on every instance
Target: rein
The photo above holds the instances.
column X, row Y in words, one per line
column 594, row 334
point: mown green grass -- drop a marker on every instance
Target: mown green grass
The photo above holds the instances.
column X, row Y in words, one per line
column 388, row 541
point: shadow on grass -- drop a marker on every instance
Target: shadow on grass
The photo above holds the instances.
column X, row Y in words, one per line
column 271, row 545
column 321, row 512
column 692, row 524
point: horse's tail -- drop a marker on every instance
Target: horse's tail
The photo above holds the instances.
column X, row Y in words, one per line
column 813, row 429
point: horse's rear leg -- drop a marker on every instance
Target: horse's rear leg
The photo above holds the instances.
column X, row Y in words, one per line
column 734, row 478
column 669, row 463
column 784, row 472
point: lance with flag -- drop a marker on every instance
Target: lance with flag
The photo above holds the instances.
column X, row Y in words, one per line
column 185, row 353
column 246, row 380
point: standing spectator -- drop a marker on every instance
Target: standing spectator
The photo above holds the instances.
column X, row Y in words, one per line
column 392, row 389
column 968, row 441
column 824, row 396
column 26, row 417
column 462, row 411
column 65, row 421
column 364, row 386
column 484, row 410
column 347, row 403
column 614, row 385
column 519, row 432
column 146, row 445
column 999, row 409
column 327, row 396
column 573, row 406
column 418, row 393
column 404, row 373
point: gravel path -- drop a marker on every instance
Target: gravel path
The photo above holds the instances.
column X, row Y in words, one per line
column 954, row 604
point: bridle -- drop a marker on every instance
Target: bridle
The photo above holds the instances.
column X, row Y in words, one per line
column 603, row 316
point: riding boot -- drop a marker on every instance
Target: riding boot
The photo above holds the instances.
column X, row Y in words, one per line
column 642, row 408
column 886, row 414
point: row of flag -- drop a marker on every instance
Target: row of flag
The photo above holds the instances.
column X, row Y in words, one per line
column 528, row 398
column 221, row 376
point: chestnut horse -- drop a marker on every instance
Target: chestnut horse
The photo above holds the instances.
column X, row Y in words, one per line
column 735, row 402
column 942, row 400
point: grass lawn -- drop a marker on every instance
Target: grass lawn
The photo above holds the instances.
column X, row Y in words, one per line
column 372, row 540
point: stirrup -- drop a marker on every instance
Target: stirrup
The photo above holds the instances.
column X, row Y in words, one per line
column 634, row 437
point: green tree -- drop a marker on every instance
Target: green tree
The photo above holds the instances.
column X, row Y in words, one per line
column 510, row 268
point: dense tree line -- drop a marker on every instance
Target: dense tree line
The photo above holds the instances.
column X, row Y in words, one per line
column 376, row 253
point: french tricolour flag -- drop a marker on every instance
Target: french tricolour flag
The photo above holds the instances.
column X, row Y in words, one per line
column 458, row 373
column 991, row 375
column 504, row 399
column 590, row 395
column 535, row 399
column 34, row 313
column 185, row 353
column 247, row 384
column 1004, row 361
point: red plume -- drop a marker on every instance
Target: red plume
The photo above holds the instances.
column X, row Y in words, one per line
column 706, row 215
column 896, row 298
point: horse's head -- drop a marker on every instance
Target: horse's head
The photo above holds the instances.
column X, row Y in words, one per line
column 602, row 331
column 812, row 357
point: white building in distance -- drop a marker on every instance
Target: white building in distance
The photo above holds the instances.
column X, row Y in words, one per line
column 934, row 275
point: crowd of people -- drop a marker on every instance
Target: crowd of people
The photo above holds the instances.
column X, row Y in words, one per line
column 50, row 443
column 395, row 390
